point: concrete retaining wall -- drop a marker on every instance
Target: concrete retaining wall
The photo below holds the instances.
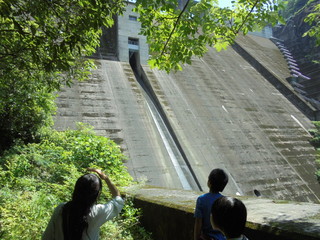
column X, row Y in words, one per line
column 168, row 214
column 302, row 105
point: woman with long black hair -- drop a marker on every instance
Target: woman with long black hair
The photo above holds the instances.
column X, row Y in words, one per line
column 81, row 218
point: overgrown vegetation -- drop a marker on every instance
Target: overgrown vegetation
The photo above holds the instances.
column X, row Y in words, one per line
column 36, row 177
column 313, row 20
column 176, row 34
column 291, row 7
column 42, row 46
column 316, row 143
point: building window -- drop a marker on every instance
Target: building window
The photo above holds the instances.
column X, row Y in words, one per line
column 132, row 18
column 133, row 43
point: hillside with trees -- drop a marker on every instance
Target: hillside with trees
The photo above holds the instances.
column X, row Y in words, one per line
column 301, row 31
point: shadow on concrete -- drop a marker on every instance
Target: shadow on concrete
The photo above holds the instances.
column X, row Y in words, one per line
column 282, row 229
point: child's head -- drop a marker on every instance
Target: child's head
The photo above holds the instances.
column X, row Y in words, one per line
column 217, row 180
column 229, row 215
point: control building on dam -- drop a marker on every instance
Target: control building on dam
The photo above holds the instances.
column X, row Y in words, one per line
column 232, row 109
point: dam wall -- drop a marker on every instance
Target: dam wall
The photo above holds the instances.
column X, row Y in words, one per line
column 226, row 114
column 223, row 113
column 280, row 83
column 168, row 214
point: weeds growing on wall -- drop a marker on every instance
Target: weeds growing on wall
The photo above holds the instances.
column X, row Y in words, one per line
column 315, row 141
column 35, row 178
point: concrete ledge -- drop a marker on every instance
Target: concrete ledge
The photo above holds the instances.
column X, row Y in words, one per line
column 168, row 214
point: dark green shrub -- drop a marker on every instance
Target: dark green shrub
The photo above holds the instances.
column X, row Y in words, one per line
column 35, row 178
column 315, row 141
column 26, row 106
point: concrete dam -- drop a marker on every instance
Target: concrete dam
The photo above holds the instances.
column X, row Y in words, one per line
column 218, row 112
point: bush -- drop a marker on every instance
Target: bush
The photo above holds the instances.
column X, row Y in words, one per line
column 35, row 178
column 315, row 141
column 26, row 106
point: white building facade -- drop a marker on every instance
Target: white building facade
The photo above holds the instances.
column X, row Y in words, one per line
column 129, row 40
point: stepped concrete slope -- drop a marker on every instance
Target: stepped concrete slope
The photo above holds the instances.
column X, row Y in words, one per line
column 266, row 52
column 112, row 102
column 223, row 114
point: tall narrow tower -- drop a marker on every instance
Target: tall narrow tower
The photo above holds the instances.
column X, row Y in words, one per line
column 129, row 40
column 122, row 41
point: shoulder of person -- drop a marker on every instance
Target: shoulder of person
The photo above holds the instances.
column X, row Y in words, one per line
column 58, row 209
column 114, row 201
column 60, row 206
column 204, row 195
column 118, row 200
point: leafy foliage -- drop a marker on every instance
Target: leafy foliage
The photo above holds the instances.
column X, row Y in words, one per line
column 316, row 135
column 34, row 178
column 313, row 20
column 25, row 107
column 291, row 7
column 316, row 143
column 51, row 36
column 175, row 35
column 42, row 45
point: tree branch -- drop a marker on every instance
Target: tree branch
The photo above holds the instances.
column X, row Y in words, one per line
column 244, row 21
column 175, row 26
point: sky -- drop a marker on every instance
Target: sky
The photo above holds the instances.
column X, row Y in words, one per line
column 225, row 3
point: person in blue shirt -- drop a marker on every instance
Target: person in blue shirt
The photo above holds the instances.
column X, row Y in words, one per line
column 229, row 215
column 217, row 180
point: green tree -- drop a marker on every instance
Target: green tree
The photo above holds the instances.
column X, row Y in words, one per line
column 42, row 45
column 51, row 36
column 313, row 19
column 34, row 178
column 176, row 35
column 291, row 7
column 294, row 6
column 26, row 105
column 315, row 141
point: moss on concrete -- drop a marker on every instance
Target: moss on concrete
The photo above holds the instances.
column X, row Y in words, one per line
column 267, row 218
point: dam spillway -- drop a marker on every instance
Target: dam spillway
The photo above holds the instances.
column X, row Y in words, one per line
column 222, row 111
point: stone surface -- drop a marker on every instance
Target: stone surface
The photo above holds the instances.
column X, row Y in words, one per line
column 223, row 113
column 267, row 219
column 226, row 115
column 128, row 28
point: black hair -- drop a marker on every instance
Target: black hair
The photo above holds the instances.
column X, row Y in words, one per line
column 75, row 212
column 229, row 215
column 218, row 179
